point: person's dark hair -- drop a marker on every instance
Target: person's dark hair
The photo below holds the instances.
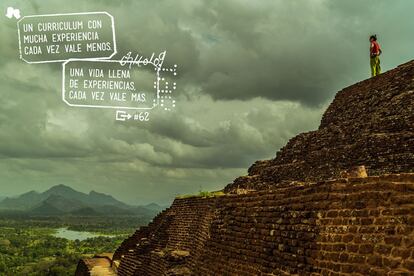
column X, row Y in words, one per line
column 374, row 37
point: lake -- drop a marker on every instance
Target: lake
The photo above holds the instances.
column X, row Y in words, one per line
column 76, row 235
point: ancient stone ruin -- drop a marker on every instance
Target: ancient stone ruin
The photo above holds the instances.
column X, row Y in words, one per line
column 312, row 210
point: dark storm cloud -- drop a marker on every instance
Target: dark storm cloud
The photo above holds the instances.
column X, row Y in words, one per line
column 289, row 50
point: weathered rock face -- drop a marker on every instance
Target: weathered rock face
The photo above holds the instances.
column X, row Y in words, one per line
column 370, row 123
column 295, row 215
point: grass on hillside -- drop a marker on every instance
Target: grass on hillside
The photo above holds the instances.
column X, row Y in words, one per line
column 202, row 194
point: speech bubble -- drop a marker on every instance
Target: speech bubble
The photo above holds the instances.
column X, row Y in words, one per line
column 109, row 84
column 59, row 37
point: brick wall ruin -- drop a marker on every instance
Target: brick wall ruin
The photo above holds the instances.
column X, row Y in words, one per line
column 165, row 246
column 294, row 214
column 370, row 123
column 359, row 226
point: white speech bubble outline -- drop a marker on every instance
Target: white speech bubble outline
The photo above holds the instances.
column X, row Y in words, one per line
column 64, row 14
column 154, row 104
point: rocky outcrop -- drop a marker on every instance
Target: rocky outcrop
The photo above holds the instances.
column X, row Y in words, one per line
column 100, row 264
column 311, row 210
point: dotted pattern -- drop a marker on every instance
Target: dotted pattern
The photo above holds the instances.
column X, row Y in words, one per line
column 165, row 86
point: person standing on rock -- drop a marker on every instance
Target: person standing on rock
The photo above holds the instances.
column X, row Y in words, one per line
column 375, row 52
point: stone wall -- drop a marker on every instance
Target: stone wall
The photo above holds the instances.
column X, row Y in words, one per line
column 172, row 243
column 358, row 226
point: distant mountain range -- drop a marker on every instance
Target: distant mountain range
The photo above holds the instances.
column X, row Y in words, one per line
column 63, row 200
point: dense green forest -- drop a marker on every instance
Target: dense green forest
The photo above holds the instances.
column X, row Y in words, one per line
column 28, row 247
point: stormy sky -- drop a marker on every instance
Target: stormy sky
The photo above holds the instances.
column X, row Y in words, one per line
column 252, row 74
